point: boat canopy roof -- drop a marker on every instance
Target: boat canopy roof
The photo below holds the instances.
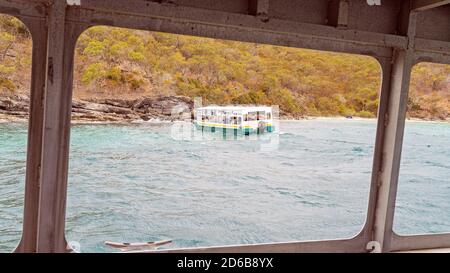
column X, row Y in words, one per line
column 237, row 108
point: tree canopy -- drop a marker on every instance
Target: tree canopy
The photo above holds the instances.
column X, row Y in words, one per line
column 115, row 62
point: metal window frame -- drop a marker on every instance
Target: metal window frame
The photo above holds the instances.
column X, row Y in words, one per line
column 55, row 28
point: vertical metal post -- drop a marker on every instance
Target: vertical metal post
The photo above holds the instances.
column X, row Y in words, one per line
column 398, row 82
column 55, row 146
column 38, row 32
column 392, row 147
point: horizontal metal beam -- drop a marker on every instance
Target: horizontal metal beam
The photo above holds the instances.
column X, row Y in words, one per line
column 241, row 27
column 356, row 245
column 421, row 5
column 168, row 25
column 431, row 57
column 23, row 8
column 432, row 46
column 103, row 12
column 414, row 242
column 242, row 21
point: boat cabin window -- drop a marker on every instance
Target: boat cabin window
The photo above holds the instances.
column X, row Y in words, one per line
column 230, row 120
column 252, row 116
column 234, row 120
column 261, row 115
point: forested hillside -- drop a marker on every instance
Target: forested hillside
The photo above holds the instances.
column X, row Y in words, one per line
column 113, row 62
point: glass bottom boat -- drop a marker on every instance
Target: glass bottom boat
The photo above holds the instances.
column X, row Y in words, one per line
column 235, row 119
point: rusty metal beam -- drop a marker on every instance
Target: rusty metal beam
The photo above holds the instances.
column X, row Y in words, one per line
column 422, row 5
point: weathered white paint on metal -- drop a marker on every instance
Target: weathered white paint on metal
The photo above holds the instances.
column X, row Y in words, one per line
column 374, row 247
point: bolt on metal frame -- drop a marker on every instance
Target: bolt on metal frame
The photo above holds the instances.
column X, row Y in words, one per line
column 399, row 34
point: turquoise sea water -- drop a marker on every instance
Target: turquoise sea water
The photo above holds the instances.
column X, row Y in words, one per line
column 138, row 183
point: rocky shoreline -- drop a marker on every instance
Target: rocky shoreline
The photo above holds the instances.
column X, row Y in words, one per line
column 163, row 108
column 14, row 108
